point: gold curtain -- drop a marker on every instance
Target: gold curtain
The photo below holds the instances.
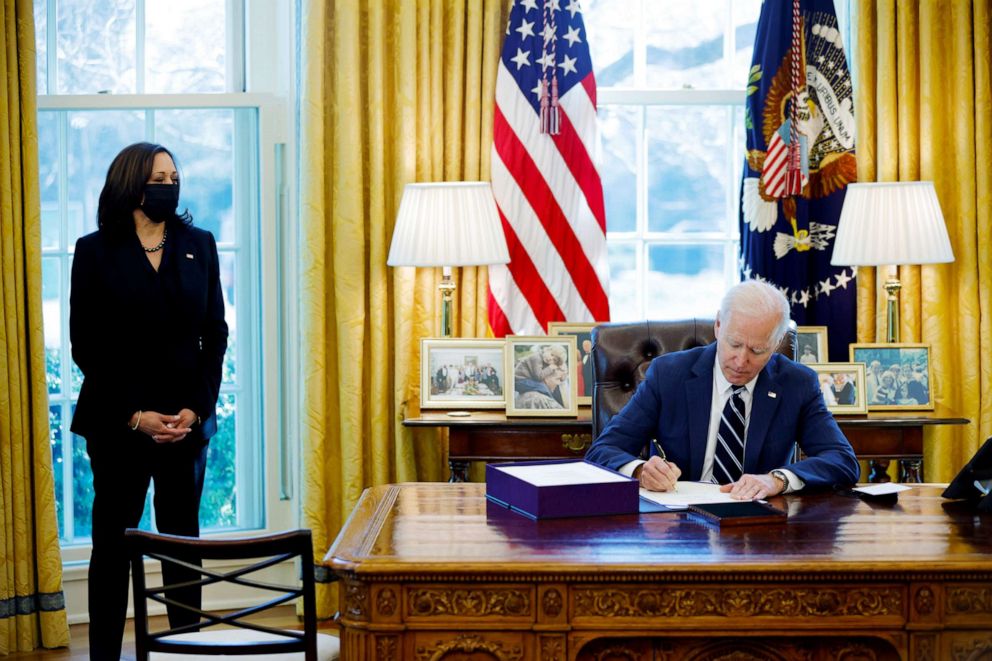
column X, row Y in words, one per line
column 32, row 606
column 923, row 96
column 393, row 92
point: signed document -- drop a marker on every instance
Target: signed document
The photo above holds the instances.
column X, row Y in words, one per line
column 688, row 493
column 564, row 473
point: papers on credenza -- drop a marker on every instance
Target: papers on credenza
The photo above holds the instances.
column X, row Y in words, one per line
column 688, row 493
column 559, row 474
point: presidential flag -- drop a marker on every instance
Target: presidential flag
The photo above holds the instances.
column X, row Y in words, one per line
column 546, row 186
column 799, row 120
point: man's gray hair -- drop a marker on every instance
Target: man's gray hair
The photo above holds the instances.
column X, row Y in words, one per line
column 757, row 299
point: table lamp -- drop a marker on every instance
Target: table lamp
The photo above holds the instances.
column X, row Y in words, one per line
column 891, row 223
column 446, row 224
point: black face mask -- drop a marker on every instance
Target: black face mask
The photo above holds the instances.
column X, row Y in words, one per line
column 161, row 201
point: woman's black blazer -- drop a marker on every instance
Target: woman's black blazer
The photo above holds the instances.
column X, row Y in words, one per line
column 146, row 340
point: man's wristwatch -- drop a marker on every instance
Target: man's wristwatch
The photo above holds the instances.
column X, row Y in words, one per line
column 780, row 475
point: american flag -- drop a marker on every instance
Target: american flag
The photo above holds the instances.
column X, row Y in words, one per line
column 546, row 185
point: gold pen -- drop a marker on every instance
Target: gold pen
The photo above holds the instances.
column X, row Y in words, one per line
column 660, row 451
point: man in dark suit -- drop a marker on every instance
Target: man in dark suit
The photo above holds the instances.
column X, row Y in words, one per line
column 730, row 412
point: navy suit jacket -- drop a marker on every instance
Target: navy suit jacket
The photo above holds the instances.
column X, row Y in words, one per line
column 147, row 340
column 673, row 403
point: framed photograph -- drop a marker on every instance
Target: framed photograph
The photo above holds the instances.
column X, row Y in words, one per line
column 843, row 387
column 897, row 375
column 462, row 373
column 583, row 358
column 540, row 375
column 811, row 345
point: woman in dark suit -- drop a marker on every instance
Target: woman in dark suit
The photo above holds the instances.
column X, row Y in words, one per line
column 147, row 327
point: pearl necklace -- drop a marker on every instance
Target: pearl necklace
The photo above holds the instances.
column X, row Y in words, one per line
column 161, row 244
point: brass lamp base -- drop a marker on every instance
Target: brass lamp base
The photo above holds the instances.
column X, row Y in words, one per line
column 447, row 289
column 892, row 287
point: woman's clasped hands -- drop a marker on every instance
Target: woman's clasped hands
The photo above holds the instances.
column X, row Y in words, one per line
column 164, row 428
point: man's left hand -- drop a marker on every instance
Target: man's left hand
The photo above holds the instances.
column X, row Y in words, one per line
column 754, row 487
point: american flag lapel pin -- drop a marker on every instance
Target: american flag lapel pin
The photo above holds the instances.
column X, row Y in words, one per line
column 772, row 395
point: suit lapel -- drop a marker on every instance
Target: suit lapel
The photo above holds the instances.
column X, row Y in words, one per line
column 699, row 396
column 763, row 406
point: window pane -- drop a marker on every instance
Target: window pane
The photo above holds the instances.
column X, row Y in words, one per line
column 96, row 51
column 688, row 182
column 48, row 178
column 185, row 44
column 203, row 143
column 82, row 490
column 51, row 310
column 611, row 40
column 746, row 13
column 618, row 131
column 684, row 281
column 55, row 439
column 95, row 138
column 218, row 507
column 41, row 44
column 624, row 284
column 699, row 45
column 227, row 275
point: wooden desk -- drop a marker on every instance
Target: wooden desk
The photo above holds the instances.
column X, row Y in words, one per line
column 491, row 436
column 429, row 570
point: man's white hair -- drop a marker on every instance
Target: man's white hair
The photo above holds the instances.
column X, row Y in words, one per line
column 757, row 299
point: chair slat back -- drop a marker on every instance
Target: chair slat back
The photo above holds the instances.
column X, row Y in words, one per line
column 188, row 552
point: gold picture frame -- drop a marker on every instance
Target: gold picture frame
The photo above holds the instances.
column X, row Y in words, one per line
column 462, row 373
column 540, row 376
column 811, row 345
column 910, row 387
column 582, row 330
column 843, row 387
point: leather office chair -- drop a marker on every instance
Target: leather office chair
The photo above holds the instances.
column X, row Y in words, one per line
column 228, row 633
column 622, row 352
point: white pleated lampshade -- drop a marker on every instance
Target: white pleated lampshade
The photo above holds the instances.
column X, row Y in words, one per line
column 448, row 224
column 887, row 223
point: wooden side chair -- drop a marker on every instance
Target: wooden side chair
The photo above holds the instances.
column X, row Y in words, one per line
column 226, row 633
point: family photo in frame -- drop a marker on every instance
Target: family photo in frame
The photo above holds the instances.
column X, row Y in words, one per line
column 540, row 376
column 843, row 387
column 811, row 345
column 462, row 373
column 583, row 358
column 897, row 375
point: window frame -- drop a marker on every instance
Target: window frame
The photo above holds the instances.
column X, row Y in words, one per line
column 639, row 97
column 266, row 56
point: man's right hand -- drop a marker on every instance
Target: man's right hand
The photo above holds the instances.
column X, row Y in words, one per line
column 658, row 475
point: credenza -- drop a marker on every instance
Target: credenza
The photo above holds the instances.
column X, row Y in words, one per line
column 433, row 571
column 492, row 436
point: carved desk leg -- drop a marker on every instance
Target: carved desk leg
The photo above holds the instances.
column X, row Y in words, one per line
column 878, row 470
column 458, row 470
column 911, row 470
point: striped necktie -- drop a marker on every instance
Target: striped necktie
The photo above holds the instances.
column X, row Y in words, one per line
column 728, row 460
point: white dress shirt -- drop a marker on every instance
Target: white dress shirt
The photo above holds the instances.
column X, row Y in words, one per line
column 722, row 389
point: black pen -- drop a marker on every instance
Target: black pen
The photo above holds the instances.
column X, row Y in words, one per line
column 661, row 454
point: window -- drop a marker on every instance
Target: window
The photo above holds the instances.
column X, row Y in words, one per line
column 671, row 77
column 97, row 62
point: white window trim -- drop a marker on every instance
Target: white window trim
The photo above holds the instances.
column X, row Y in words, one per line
column 270, row 35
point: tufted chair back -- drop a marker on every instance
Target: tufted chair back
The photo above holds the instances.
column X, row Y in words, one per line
column 621, row 354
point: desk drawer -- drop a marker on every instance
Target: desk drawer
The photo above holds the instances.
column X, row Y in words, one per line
column 502, row 443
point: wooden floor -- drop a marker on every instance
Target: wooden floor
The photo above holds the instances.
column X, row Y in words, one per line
column 283, row 617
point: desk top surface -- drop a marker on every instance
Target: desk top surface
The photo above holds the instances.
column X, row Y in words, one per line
column 451, row 530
